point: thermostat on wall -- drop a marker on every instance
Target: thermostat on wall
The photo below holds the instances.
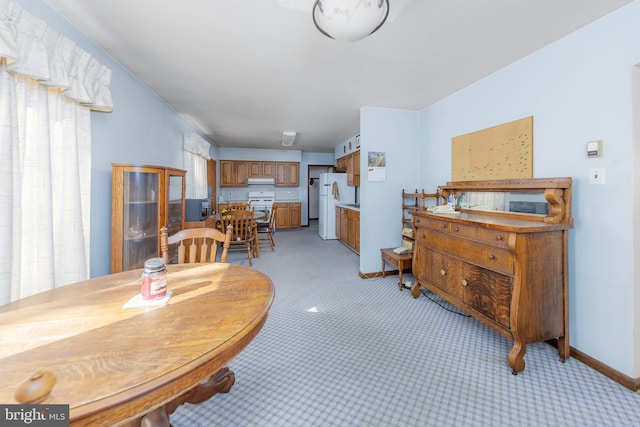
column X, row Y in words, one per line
column 594, row 148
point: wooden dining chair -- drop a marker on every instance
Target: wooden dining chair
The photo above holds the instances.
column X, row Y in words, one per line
column 265, row 230
column 196, row 244
column 233, row 206
column 242, row 224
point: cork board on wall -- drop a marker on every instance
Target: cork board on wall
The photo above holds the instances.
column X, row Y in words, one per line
column 499, row 152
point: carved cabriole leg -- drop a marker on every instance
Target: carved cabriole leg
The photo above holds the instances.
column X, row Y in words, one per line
column 415, row 290
column 516, row 357
column 564, row 347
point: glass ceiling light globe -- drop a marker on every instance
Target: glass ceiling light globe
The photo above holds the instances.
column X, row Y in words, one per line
column 349, row 20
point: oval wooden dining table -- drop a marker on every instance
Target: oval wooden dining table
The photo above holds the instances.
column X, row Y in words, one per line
column 127, row 366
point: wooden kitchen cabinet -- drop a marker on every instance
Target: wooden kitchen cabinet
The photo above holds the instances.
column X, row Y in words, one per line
column 350, row 180
column 350, row 164
column 343, row 225
column 288, row 215
column 211, row 182
column 241, row 173
column 226, row 173
column 259, row 169
column 348, row 227
column 295, row 215
column 339, row 232
column 356, row 168
column 287, row 174
column 508, row 270
column 234, row 173
column 144, row 199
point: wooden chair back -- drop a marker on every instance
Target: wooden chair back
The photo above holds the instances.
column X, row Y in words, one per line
column 242, row 224
column 267, row 229
column 196, row 244
column 232, row 206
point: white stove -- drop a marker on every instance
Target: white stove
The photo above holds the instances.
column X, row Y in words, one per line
column 262, row 201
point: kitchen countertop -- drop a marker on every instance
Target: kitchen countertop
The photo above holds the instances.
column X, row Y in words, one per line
column 353, row 206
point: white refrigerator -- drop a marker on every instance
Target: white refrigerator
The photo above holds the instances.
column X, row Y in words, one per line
column 327, row 205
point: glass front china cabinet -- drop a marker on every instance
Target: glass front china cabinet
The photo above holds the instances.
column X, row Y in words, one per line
column 144, row 199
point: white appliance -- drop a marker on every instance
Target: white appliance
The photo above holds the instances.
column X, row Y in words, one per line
column 262, row 201
column 327, row 213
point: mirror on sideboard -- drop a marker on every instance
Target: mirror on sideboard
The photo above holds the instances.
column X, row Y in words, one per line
column 514, row 202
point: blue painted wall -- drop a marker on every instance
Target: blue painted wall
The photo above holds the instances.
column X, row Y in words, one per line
column 578, row 89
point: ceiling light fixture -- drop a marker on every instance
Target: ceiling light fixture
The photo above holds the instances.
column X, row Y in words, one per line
column 349, row 20
column 287, row 138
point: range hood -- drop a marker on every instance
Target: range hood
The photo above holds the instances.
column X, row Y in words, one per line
column 267, row 181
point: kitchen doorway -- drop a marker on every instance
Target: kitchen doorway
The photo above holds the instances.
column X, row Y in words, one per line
column 313, row 190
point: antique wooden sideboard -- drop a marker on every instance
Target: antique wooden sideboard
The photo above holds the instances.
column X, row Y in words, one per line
column 506, row 269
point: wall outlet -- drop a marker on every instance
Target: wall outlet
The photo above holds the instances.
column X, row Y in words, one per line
column 596, row 176
column 230, row 193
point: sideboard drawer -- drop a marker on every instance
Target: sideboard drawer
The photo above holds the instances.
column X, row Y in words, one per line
column 487, row 256
column 485, row 235
column 432, row 224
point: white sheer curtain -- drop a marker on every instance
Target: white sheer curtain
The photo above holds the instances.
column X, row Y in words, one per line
column 47, row 88
column 196, row 154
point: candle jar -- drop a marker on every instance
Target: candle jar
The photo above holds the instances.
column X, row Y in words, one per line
column 154, row 279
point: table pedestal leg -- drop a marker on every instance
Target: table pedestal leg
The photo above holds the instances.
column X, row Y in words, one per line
column 220, row 382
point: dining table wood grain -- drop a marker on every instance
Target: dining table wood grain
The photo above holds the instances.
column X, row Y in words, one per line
column 117, row 366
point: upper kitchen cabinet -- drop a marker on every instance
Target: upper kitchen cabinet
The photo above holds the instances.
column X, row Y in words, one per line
column 351, row 164
column 234, row 173
column 259, row 169
column 355, row 168
column 287, row 174
column 144, row 199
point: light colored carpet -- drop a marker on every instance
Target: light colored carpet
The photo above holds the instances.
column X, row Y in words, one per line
column 338, row 350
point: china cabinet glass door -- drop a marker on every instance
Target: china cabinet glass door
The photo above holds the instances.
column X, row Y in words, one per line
column 140, row 218
column 175, row 203
column 144, row 199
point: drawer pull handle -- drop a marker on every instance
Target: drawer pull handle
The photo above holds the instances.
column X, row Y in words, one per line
column 492, row 256
column 499, row 237
column 443, row 226
column 456, row 229
column 443, row 272
column 464, row 282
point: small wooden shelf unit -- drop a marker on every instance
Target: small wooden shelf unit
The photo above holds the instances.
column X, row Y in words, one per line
column 415, row 201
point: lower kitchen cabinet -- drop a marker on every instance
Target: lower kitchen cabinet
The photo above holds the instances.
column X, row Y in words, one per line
column 288, row 215
column 348, row 227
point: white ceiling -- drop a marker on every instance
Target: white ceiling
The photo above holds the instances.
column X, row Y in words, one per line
column 243, row 71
